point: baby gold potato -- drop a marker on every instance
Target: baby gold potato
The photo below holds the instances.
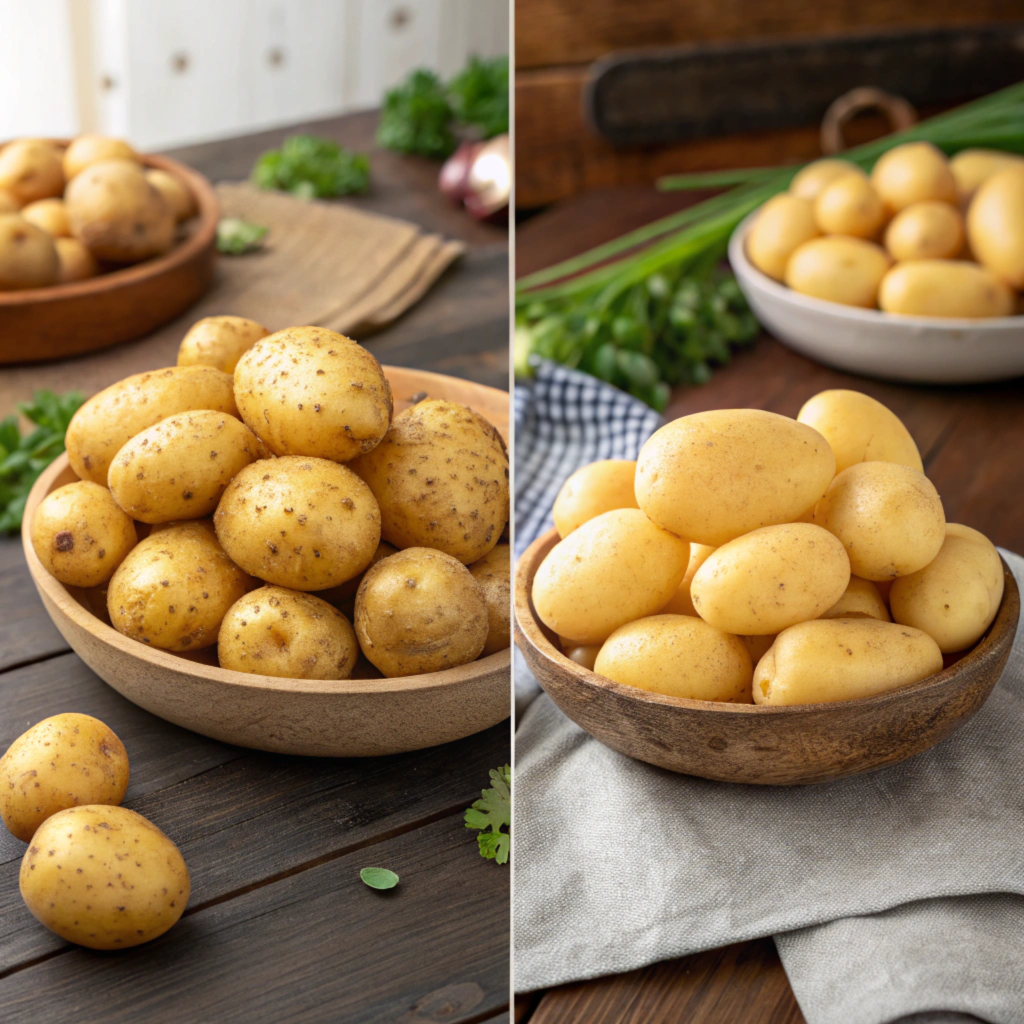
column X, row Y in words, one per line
column 585, row 655
column 493, row 572
column 91, row 149
column 60, row 762
column 770, row 579
column 75, row 262
column 346, row 591
column 809, row 181
column 956, row 596
column 681, row 603
column 714, row 476
column 104, row 877
column 931, row 230
column 946, row 288
column 599, row 487
column 758, row 646
column 615, row 568
column 843, row 659
column 783, row 223
column 50, row 215
column 995, row 225
column 860, row 601
column 972, row 167
column 678, row 656
column 849, row 206
column 838, row 269
column 219, row 341
column 912, row 173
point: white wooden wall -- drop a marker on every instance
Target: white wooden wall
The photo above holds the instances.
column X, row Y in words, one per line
column 169, row 72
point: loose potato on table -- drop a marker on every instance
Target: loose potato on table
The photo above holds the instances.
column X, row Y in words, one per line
column 931, row 230
column 28, row 256
column 912, row 173
column 494, row 574
column 49, row 214
column 783, row 224
column 91, row 149
column 945, row 288
column 838, row 269
column 30, row 169
column 76, row 263
column 175, row 192
column 598, row 487
column 61, row 762
column 219, row 341
column 861, row 600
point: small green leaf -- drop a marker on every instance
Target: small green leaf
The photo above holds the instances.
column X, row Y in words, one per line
column 236, row 236
column 379, row 878
column 492, row 814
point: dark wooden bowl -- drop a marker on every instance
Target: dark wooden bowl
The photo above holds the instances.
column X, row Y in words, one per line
column 777, row 746
column 42, row 324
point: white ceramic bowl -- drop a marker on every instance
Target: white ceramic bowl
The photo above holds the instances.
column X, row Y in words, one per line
column 867, row 341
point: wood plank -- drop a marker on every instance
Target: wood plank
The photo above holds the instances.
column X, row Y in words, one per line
column 26, row 632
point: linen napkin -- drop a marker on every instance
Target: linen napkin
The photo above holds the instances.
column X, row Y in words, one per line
column 893, row 896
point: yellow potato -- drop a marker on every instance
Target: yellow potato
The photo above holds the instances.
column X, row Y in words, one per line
column 680, row 603
column 28, row 256
column 931, row 230
column 944, row 288
column 76, row 263
column 60, row 762
column 678, row 656
column 108, row 420
column 175, row 587
column 305, row 524
column 104, row 877
column 843, row 659
column 995, row 225
column 849, row 206
column 715, row 475
column 810, row 180
column 615, row 568
column 860, row 429
column 91, row 149
column 9, row 203
column 219, row 341
column 889, row 518
column 179, row 468
column 585, row 655
column 591, row 490
column 783, row 224
column 956, row 596
column 493, row 572
column 770, row 579
column 758, row 646
column 81, row 535
column 50, row 215
column 911, row 173
column 860, row 601
column 838, row 269
column 175, row 192
column 973, row 167
column 346, row 591
column 30, row 169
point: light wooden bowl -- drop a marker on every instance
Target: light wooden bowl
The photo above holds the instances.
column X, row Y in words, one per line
column 42, row 324
column 345, row 718
column 761, row 745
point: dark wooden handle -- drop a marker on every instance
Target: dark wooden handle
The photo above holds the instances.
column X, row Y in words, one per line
column 900, row 113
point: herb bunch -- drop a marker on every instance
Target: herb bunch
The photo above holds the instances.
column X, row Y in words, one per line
column 312, row 168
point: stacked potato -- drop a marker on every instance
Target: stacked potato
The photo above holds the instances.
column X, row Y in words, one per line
column 922, row 236
column 749, row 557
column 272, row 491
column 68, row 213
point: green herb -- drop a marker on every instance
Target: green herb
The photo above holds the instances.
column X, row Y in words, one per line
column 236, row 236
column 312, row 168
column 417, row 117
column 22, row 459
column 492, row 813
column 379, row 878
column 479, row 95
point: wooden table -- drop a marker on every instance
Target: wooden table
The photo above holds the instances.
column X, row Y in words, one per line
column 969, row 439
column 279, row 926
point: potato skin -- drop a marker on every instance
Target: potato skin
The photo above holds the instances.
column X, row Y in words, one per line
column 310, row 391
column 30, row 169
column 50, row 215
column 838, row 269
column 61, row 762
column 104, row 877
column 944, row 288
column 849, row 206
column 180, row 467
column 219, row 341
column 593, row 489
column 912, row 173
column 277, row 632
column 681, row 603
column 345, row 592
column 91, row 149
column 175, row 193
column 28, row 255
column 995, row 225
column 931, row 230
column 305, row 524
column 494, row 574
column 76, row 263
column 812, row 179
column 111, row 418
column 420, row 611
column 861, row 600
column 441, row 477
column 81, row 535
column 783, row 224
column 175, row 587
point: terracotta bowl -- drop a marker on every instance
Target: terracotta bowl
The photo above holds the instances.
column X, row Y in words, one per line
column 42, row 324
column 346, row 718
column 761, row 745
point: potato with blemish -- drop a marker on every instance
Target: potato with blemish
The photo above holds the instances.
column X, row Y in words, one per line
column 49, row 214
column 81, row 535
column 91, row 149
column 176, row 193
column 599, row 487
column 28, row 256
column 61, row 762
column 76, row 263
column 30, row 169
column 861, row 600
column 219, row 341
column 494, row 574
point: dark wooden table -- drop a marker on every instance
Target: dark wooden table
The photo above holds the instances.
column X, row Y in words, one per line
column 279, row 927
column 970, row 439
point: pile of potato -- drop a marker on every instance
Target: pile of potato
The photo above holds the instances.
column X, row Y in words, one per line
column 68, row 214
column 922, row 236
column 748, row 557
column 255, row 493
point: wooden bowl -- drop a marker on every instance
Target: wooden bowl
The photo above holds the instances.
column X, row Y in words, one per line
column 344, row 718
column 42, row 324
column 777, row 746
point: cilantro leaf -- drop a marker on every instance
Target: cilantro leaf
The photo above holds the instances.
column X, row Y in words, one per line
column 236, row 236
column 417, row 117
column 492, row 813
column 479, row 95
column 310, row 167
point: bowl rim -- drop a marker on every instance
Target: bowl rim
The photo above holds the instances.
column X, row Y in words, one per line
column 529, row 631
column 997, row 326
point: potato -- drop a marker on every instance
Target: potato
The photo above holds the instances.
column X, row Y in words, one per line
column 838, row 269
column 310, row 391
column 931, row 230
column 860, row 601
column 117, row 214
column 680, row 602
column 108, row 420
column 81, row 535
column 615, row 568
column 889, row 518
column 598, row 487
column 956, row 596
column 944, row 288
column 810, row 180
column 420, row 611
column 859, row 429
column 995, row 225
column 9, row 203
column 678, row 656
column 50, row 215
column 973, row 167
column 758, row 646
column 715, row 475
column 219, row 341
column 175, row 587
column 345, row 592
column 849, row 206
column 843, row 659
column 305, row 524
column 441, row 477
column 180, row 467
column 30, row 169
column 493, row 572
column 277, row 632
column 28, row 257
column 176, row 194
column 104, row 877
column 91, row 149
column 60, row 762
column 585, row 655
column 75, row 262
column 784, row 223
column 911, row 173
column 770, row 579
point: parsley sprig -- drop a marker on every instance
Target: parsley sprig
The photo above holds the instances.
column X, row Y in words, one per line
column 492, row 813
column 312, row 168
